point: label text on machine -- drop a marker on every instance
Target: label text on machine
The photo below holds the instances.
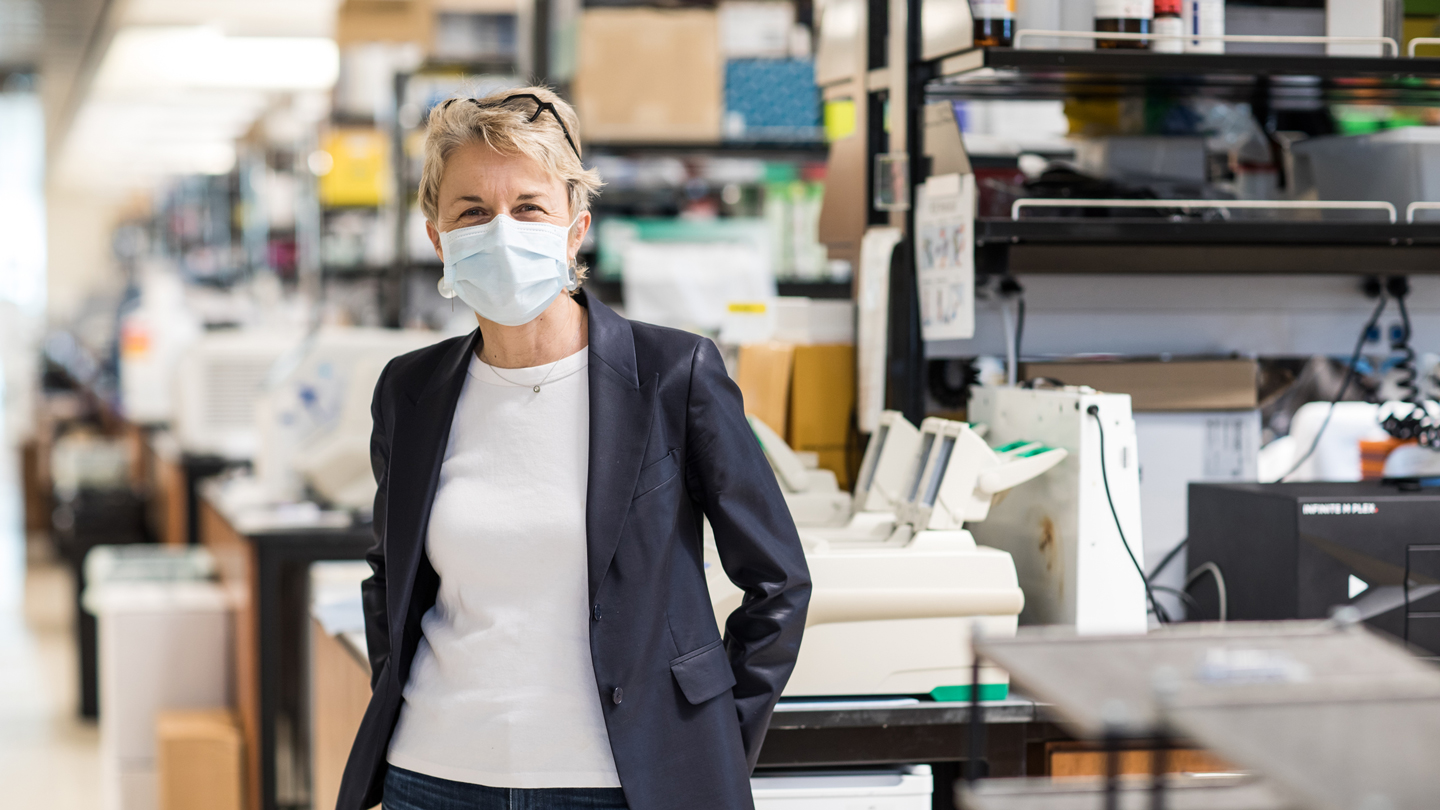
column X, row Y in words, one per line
column 1339, row 509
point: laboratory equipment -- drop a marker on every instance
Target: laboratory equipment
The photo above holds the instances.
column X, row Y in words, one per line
column 813, row 495
column 907, row 787
column 1169, row 22
column 1296, row 551
column 896, row 616
column 314, row 418
column 889, row 459
column 1124, row 17
column 994, row 23
column 218, row 382
column 1072, row 533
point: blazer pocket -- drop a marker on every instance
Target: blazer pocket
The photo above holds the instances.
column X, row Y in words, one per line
column 657, row 473
column 704, row 673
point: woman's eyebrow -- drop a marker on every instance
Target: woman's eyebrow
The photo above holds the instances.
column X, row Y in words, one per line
column 472, row 198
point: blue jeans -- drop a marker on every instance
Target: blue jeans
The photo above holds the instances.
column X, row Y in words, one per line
column 407, row 790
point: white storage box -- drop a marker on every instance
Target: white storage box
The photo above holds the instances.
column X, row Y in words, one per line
column 908, row 788
column 164, row 639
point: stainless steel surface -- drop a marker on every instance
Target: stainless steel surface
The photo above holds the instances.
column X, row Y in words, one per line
column 1099, row 681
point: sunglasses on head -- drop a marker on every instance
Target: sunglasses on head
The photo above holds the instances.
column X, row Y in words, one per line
column 526, row 98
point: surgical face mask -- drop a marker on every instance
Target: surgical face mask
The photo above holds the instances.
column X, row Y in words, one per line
column 507, row 271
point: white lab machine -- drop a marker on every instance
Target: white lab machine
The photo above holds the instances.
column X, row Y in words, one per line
column 896, row 616
column 813, row 495
column 218, row 381
column 1060, row 529
column 314, row 418
column 879, row 490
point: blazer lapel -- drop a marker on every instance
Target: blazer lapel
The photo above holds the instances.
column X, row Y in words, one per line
column 621, row 410
column 422, row 430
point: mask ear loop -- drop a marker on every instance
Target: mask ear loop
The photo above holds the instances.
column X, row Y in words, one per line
column 573, row 270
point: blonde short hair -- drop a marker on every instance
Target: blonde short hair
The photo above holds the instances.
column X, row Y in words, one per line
column 507, row 129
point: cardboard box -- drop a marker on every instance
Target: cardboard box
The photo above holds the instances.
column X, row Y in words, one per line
column 1155, row 385
column 763, row 374
column 822, row 404
column 648, row 74
column 384, row 21
column 198, row 760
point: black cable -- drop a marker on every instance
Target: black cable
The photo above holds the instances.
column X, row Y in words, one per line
column 1094, row 410
column 1350, row 372
column 1187, row 598
column 1019, row 324
column 1168, row 558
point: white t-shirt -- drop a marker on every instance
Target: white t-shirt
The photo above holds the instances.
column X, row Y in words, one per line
column 502, row 691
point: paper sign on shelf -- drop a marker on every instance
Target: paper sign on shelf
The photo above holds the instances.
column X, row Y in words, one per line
column 945, row 256
column 873, row 323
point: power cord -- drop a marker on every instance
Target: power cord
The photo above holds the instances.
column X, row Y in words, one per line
column 1214, row 570
column 1160, row 613
column 1350, row 372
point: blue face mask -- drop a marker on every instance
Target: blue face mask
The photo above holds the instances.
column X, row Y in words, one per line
column 507, row 271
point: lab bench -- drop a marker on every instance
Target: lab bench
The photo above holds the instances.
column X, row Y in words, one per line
column 266, row 576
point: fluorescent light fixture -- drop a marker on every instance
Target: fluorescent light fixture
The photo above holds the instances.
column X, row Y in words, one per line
column 146, row 59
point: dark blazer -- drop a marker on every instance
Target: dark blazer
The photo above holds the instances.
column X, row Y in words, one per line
column 686, row 711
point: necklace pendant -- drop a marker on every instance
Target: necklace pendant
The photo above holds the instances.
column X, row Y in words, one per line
column 537, row 389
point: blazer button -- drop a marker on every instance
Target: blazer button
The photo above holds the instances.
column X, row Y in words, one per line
column 618, row 695
column 595, row 613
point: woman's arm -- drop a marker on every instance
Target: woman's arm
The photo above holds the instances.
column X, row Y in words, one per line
column 372, row 590
column 759, row 548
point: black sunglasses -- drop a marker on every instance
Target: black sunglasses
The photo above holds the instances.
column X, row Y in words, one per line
column 540, row 107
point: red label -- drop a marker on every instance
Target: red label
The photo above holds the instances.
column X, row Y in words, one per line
column 1171, row 7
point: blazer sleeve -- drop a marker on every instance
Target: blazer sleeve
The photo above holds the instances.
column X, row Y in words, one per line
column 372, row 590
column 756, row 538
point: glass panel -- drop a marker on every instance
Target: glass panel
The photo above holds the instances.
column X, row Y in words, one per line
column 868, row 474
column 938, row 474
column 919, row 467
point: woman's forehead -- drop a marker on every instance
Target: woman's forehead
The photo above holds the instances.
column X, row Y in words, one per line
column 477, row 170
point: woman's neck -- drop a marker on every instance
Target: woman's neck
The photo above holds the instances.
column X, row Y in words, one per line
column 558, row 332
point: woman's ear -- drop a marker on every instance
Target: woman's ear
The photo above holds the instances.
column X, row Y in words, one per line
column 577, row 234
column 434, row 239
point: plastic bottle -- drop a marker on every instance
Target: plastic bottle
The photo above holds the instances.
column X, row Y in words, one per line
column 1124, row 17
column 1205, row 18
column 994, row 23
column 1169, row 23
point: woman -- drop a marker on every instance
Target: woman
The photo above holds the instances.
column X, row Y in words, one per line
column 539, row 630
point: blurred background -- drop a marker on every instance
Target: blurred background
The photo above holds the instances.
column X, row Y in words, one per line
column 210, row 245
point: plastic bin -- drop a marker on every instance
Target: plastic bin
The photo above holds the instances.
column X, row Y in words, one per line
column 164, row 643
column 907, row 788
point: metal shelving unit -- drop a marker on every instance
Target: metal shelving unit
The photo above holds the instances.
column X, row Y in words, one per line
column 1176, row 244
column 1006, row 73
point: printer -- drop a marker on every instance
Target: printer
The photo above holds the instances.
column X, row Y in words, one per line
column 896, row 615
column 889, row 461
column 813, row 495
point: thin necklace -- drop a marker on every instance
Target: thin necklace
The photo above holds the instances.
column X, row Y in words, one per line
column 536, row 389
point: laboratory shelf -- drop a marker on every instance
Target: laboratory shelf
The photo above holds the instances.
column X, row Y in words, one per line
column 741, row 148
column 1043, row 74
column 1083, row 245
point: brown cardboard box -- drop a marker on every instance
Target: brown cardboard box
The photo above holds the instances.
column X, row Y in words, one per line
column 385, row 21
column 822, row 400
column 763, row 374
column 1155, row 385
column 198, row 760
column 648, row 74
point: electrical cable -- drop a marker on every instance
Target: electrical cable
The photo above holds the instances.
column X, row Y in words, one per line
column 1094, row 410
column 1184, row 597
column 1213, row 569
column 1350, row 372
column 1169, row 557
column 1019, row 325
